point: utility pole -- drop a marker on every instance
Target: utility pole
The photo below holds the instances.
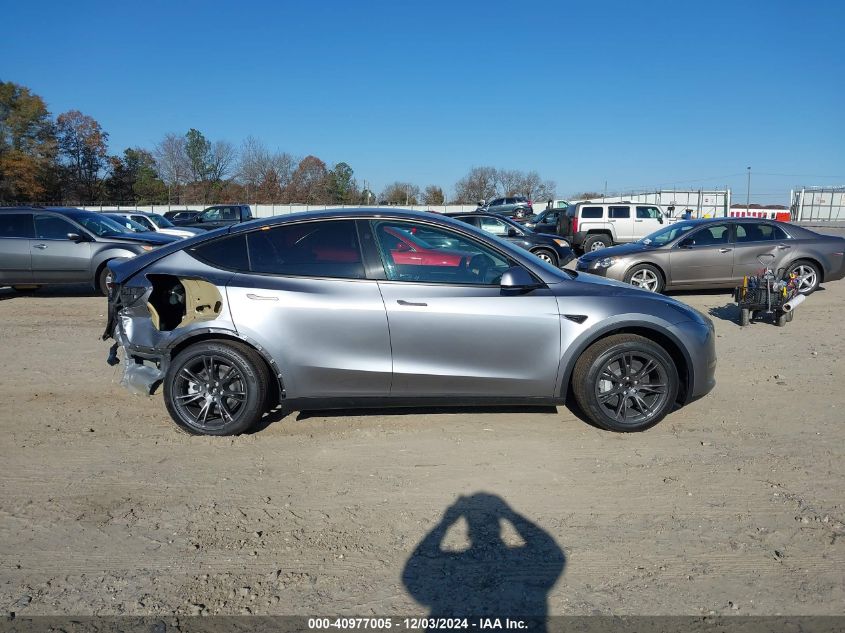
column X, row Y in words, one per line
column 605, row 191
column 748, row 191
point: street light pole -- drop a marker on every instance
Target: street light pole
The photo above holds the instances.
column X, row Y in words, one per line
column 748, row 191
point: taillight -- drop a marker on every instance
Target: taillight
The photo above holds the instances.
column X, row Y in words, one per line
column 574, row 224
column 530, row 204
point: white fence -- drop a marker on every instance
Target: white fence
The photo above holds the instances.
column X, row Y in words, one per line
column 703, row 203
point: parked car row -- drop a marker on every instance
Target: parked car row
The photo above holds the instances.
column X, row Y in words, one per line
column 40, row 246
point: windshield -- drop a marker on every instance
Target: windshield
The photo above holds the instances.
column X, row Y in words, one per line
column 100, row 225
column 161, row 221
column 668, row 233
column 131, row 226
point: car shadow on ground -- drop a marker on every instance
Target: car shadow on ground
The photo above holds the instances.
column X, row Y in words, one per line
column 495, row 576
column 280, row 413
column 58, row 291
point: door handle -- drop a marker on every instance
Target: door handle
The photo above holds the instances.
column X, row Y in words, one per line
column 249, row 295
column 402, row 302
column 637, row 220
column 783, row 247
column 39, row 246
column 725, row 250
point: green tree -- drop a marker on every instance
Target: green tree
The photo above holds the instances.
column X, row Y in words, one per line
column 27, row 145
column 208, row 163
column 341, row 184
column 82, row 148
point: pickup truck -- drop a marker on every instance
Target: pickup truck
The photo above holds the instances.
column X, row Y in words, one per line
column 219, row 215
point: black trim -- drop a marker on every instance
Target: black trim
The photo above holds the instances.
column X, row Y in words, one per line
column 389, row 402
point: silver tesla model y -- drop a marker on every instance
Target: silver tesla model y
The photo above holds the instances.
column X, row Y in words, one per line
column 370, row 307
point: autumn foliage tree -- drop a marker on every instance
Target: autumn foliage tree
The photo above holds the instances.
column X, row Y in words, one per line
column 27, row 145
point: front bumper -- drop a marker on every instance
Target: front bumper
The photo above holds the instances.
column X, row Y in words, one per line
column 143, row 371
column 699, row 340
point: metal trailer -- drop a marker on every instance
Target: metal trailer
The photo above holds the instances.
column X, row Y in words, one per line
column 821, row 204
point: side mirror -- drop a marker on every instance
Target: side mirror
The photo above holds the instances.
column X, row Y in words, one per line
column 512, row 232
column 76, row 237
column 516, row 278
column 660, row 219
column 198, row 218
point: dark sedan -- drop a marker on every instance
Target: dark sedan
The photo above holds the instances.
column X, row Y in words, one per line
column 718, row 253
column 550, row 248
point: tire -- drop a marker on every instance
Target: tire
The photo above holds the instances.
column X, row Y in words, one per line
column 101, row 283
column 782, row 319
column 597, row 242
column 744, row 317
column 790, row 315
column 645, row 277
column 547, row 256
column 200, row 406
column 810, row 272
column 601, row 369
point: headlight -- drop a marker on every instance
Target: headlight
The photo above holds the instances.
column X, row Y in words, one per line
column 605, row 262
column 147, row 247
column 562, row 243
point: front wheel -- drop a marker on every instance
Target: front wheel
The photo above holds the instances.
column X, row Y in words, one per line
column 103, row 280
column 546, row 256
column 625, row 383
column 645, row 277
column 216, row 388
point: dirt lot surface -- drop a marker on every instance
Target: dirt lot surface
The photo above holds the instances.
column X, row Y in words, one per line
column 733, row 505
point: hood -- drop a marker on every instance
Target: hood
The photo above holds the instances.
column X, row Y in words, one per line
column 616, row 251
column 148, row 237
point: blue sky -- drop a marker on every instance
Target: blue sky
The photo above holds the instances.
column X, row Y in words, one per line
column 638, row 94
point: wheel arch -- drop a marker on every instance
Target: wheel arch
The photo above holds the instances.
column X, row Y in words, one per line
column 208, row 334
column 657, row 267
column 809, row 259
column 664, row 338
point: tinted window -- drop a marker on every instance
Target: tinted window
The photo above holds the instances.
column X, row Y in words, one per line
column 227, row 252
column 144, row 221
column 648, row 213
column 51, row 227
column 416, row 252
column 759, row 233
column 592, row 213
column 497, row 202
column 619, row 213
column 16, row 225
column 711, row 236
column 552, row 217
column 310, row 249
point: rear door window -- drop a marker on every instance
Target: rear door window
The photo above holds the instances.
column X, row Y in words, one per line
column 592, row 213
column 759, row 233
column 619, row 213
column 309, row 249
column 227, row 252
column 16, row 225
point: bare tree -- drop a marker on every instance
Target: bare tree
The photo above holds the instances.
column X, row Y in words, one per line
column 401, row 193
column 478, row 184
column 172, row 164
column 433, row 195
column 264, row 174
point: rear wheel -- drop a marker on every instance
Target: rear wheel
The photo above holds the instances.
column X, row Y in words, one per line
column 782, row 319
column 597, row 242
column 808, row 275
column 547, row 256
column 744, row 317
column 625, row 382
column 216, row 388
column 645, row 277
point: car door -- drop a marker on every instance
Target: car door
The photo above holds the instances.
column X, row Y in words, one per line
column 703, row 257
column 619, row 217
column 16, row 233
column 306, row 299
column 758, row 245
column 548, row 222
column 55, row 257
column 648, row 219
column 454, row 332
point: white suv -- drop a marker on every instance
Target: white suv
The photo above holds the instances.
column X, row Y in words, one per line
column 594, row 225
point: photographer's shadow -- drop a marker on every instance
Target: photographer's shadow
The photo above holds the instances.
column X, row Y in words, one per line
column 490, row 578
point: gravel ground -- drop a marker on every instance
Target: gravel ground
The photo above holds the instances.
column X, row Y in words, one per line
column 734, row 504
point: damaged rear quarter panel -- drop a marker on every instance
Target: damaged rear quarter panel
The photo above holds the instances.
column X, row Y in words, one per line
column 146, row 330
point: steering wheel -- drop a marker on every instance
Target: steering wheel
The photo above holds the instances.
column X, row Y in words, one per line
column 479, row 265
